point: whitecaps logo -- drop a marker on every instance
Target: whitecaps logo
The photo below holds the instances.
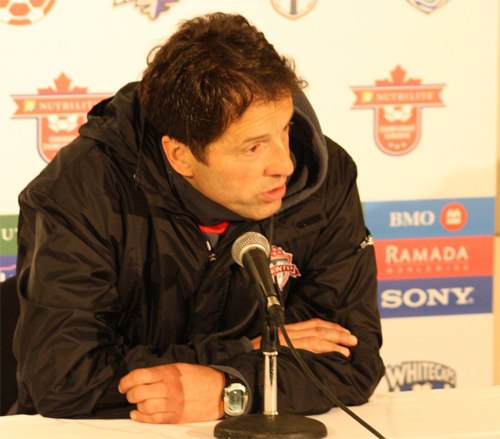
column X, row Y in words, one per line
column 419, row 375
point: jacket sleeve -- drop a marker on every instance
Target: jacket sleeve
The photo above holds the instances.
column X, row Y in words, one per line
column 71, row 353
column 338, row 283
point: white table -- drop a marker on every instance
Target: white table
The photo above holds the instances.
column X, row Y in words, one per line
column 432, row 414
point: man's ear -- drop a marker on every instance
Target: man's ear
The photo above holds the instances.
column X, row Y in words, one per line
column 179, row 156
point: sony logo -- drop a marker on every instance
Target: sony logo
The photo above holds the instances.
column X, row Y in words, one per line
column 418, row 297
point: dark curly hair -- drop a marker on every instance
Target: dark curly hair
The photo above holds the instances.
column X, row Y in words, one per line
column 207, row 74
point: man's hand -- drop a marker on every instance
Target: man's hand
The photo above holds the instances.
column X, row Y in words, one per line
column 318, row 336
column 174, row 393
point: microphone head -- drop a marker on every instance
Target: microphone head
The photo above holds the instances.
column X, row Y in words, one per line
column 249, row 241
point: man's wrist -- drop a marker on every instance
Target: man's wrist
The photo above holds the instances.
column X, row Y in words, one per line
column 234, row 396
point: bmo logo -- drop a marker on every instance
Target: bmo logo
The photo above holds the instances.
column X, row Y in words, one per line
column 453, row 217
column 417, row 218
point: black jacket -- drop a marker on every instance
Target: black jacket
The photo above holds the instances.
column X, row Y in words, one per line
column 114, row 273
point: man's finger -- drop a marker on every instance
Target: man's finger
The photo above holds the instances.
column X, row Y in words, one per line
column 137, row 377
column 321, row 333
column 155, row 418
column 315, row 323
column 143, row 392
column 320, row 346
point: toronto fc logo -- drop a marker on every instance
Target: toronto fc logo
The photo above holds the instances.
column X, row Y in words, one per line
column 59, row 112
column 281, row 266
column 398, row 104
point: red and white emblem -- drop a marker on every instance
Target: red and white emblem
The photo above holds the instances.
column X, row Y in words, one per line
column 454, row 217
column 427, row 6
column 59, row 112
column 281, row 266
column 293, row 9
column 398, row 104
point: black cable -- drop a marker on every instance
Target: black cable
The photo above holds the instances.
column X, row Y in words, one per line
column 307, row 370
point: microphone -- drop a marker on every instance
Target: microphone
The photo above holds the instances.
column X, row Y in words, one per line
column 251, row 251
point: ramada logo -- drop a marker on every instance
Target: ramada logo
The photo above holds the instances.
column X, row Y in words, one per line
column 151, row 8
column 453, row 217
column 59, row 111
column 281, row 266
column 293, row 9
column 398, row 104
column 434, row 257
column 419, row 375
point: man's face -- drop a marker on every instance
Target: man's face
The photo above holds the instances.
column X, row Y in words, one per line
column 245, row 169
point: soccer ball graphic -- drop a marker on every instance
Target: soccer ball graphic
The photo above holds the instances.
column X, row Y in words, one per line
column 21, row 12
column 66, row 123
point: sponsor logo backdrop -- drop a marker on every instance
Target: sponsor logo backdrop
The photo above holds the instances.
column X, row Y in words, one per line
column 408, row 87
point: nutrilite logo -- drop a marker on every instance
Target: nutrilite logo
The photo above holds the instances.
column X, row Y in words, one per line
column 398, row 104
column 419, row 375
column 59, row 112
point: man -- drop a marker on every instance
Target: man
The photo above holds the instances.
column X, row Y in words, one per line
column 131, row 303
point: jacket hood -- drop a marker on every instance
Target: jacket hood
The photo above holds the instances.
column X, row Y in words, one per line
column 118, row 124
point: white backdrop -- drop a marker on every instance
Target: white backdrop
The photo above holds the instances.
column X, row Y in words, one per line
column 408, row 87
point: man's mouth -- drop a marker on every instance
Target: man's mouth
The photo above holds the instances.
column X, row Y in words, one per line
column 275, row 194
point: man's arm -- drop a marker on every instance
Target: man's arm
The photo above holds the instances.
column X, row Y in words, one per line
column 70, row 350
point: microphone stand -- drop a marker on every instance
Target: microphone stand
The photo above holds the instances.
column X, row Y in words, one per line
column 270, row 424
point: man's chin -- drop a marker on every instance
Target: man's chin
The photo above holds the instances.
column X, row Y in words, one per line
column 261, row 212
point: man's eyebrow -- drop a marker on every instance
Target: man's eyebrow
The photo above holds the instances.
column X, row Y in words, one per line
column 263, row 136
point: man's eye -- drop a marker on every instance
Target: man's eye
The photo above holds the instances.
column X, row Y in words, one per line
column 252, row 149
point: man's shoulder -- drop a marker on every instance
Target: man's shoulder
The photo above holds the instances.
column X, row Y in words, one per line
column 78, row 170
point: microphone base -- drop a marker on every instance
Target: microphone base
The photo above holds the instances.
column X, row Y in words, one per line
column 270, row 426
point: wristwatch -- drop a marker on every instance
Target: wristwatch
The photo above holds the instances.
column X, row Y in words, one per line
column 234, row 397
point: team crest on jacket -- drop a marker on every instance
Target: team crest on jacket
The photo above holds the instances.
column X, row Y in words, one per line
column 282, row 267
column 427, row 6
column 398, row 104
column 293, row 9
column 59, row 112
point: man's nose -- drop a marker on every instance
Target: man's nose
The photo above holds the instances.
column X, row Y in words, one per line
column 280, row 163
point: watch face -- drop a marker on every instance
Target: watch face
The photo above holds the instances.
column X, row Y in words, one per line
column 235, row 399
